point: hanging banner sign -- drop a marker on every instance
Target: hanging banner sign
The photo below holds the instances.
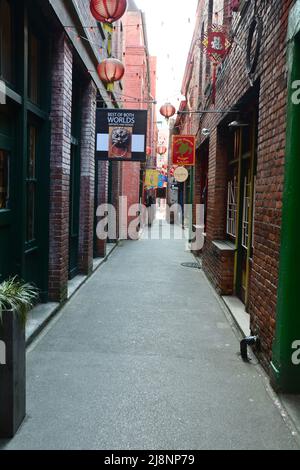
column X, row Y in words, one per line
column 152, row 179
column 184, row 150
column 121, row 135
column 181, row 174
column 216, row 43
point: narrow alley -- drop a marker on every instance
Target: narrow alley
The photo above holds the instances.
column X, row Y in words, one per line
column 145, row 357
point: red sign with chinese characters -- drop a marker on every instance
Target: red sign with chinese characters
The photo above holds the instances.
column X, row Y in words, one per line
column 184, row 150
column 216, row 43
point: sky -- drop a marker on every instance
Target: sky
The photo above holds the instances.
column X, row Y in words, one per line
column 170, row 26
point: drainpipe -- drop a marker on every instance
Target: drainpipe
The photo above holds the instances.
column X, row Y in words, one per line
column 248, row 341
column 285, row 365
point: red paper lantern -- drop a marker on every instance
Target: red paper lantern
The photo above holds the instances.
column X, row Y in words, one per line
column 108, row 11
column 111, row 70
column 161, row 150
column 148, row 151
column 167, row 110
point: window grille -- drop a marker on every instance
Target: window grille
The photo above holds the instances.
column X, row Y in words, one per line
column 254, row 207
column 232, row 208
column 246, row 213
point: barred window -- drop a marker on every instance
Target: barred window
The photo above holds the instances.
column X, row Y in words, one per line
column 232, row 207
column 254, row 207
column 246, row 212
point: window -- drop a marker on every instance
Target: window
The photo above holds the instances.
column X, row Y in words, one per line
column 34, row 69
column 31, row 183
column 253, row 210
column 246, row 212
column 232, row 207
column 4, row 179
column 6, row 41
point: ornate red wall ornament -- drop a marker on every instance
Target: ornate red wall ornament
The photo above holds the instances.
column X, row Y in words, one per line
column 216, row 45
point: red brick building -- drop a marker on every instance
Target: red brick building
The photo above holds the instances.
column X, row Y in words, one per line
column 241, row 150
column 48, row 62
column 139, row 93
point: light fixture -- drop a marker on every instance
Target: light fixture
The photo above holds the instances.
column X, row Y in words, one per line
column 236, row 124
column 206, row 132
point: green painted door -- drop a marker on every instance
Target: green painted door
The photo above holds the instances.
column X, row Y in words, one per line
column 285, row 365
column 36, row 196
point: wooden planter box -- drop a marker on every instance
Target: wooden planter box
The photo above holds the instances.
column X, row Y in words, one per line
column 12, row 374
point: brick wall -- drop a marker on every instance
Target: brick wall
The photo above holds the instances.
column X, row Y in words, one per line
column 219, row 267
column 233, row 84
column 87, row 179
column 116, row 191
column 60, row 168
column 102, row 176
column 136, row 88
column 270, row 176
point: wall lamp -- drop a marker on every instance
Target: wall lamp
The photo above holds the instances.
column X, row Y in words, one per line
column 205, row 132
column 235, row 124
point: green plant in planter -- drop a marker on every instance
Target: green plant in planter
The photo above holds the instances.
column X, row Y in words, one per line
column 17, row 296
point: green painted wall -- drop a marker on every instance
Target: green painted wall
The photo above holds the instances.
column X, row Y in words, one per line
column 286, row 351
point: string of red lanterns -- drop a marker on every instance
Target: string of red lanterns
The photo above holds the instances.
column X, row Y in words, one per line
column 110, row 70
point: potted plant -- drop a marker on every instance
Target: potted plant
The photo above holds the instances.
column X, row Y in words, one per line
column 16, row 299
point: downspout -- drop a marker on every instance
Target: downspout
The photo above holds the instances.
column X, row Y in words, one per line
column 285, row 365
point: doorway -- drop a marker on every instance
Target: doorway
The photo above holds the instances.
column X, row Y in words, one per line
column 74, row 209
column 240, row 200
column 75, row 173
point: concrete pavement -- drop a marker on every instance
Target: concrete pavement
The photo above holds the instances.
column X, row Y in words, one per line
column 143, row 357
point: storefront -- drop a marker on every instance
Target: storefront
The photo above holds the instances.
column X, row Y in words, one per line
column 24, row 143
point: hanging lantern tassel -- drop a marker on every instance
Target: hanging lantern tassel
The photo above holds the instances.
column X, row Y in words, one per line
column 109, row 29
column 214, row 83
column 110, row 87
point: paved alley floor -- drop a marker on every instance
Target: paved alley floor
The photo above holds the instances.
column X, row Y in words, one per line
column 143, row 357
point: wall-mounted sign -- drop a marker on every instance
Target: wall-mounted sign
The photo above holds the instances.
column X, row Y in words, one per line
column 181, row 174
column 151, row 179
column 184, row 150
column 121, row 135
